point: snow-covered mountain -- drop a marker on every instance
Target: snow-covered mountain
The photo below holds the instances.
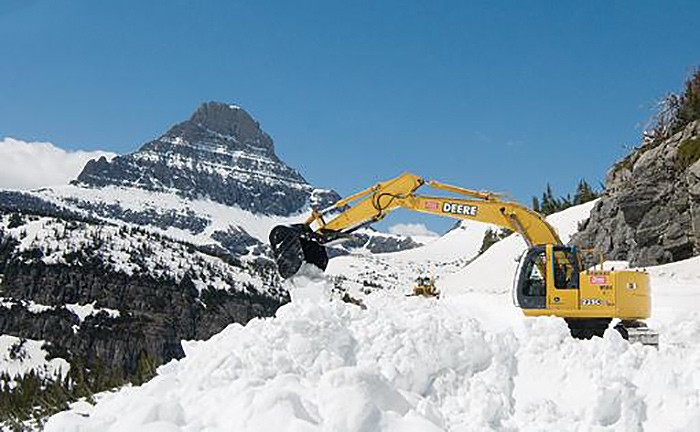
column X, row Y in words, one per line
column 207, row 180
column 141, row 251
column 469, row 361
column 211, row 180
column 220, row 154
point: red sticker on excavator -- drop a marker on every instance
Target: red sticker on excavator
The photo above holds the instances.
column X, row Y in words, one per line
column 432, row 205
column 598, row 280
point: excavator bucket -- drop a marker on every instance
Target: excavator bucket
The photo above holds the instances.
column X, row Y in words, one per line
column 291, row 248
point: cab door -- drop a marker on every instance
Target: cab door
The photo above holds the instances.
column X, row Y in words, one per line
column 531, row 282
column 562, row 278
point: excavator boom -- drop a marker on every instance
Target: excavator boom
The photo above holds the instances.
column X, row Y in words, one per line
column 293, row 245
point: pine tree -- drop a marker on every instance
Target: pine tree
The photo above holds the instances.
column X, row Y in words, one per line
column 549, row 203
column 689, row 109
column 15, row 221
column 584, row 193
column 492, row 237
column 489, row 240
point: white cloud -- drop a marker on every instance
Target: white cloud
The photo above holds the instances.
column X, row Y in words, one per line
column 412, row 229
column 31, row 165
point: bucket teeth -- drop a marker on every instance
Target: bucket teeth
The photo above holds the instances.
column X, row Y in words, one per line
column 291, row 248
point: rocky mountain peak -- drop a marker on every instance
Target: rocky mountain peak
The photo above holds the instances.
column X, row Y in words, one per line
column 221, row 153
column 239, row 129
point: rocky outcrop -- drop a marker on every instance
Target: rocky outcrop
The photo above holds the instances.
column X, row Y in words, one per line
column 650, row 211
column 221, row 154
column 155, row 315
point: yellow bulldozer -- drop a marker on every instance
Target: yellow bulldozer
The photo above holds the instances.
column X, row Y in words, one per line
column 550, row 279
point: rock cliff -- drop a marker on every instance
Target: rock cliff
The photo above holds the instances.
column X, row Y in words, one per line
column 650, row 211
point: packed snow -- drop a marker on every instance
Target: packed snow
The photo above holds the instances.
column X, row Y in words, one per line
column 468, row 361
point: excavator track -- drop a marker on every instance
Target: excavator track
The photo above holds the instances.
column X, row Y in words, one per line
column 632, row 331
column 637, row 331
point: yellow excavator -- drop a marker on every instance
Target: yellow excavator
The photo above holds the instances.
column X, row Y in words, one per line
column 550, row 279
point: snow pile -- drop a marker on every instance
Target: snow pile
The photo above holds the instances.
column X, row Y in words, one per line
column 324, row 366
column 407, row 364
column 18, row 357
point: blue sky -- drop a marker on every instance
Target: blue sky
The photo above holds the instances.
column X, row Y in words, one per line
column 504, row 96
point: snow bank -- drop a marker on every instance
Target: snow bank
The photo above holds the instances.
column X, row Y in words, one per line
column 327, row 366
column 406, row 364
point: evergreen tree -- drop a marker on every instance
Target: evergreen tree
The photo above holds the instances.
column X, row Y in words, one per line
column 489, row 240
column 15, row 221
column 584, row 193
column 492, row 237
column 689, row 109
column 549, row 202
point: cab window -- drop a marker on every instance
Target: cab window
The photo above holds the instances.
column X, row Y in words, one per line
column 565, row 268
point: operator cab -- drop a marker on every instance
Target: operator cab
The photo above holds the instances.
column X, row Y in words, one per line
column 542, row 269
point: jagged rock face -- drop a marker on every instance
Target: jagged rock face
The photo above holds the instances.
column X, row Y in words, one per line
column 155, row 314
column 650, row 212
column 220, row 153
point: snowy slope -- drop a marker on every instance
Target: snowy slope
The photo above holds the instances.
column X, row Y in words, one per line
column 128, row 251
column 18, row 357
column 134, row 200
column 469, row 361
column 452, row 259
column 398, row 270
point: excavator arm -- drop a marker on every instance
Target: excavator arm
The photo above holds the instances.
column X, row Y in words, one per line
column 293, row 245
